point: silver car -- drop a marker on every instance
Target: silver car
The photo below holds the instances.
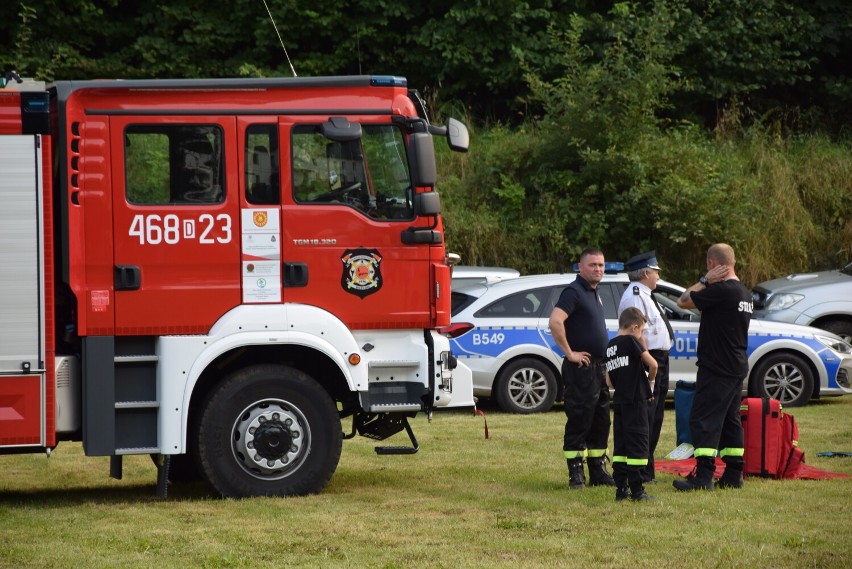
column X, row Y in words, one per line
column 500, row 330
column 822, row 299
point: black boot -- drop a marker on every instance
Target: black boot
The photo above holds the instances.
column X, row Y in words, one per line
column 637, row 490
column 702, row 479
column 619, row 474
column 598, row 475
column 576, row 476
column 733, row 475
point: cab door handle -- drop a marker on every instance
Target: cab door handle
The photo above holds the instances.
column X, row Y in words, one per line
column 127, row 277
column 295, row 274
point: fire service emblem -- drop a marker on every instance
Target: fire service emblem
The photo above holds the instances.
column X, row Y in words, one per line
column 362, row 275
column 260, row 218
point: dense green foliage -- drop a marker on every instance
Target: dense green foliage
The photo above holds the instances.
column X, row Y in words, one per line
column 606, row 164
column 629, row 125
column 603, row 167
column 784, row 54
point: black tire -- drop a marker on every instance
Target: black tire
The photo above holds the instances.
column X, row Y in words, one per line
column 525, row 386
column 268, row 430
column 842, row 328
column 786, row 377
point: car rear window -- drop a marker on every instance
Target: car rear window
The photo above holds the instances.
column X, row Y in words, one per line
column 459, row 301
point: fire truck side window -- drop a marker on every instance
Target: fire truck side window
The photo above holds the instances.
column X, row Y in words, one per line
column 369, row 174
column 262, row 173
column 174, row 164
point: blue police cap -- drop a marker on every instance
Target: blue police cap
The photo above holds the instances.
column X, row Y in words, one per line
column 643, row 260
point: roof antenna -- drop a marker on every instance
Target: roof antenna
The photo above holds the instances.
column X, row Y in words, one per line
column 279, row 39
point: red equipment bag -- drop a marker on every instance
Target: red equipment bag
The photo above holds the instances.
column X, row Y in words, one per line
column 792, row 457
column 761, row 419
column 770, row 439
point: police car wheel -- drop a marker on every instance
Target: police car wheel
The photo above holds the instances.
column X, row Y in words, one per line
column 785, row 377
column 525, row 386
column 268, row 430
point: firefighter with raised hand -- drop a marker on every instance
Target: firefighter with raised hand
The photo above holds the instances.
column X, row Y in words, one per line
column 578, row 326
column 644, row 273
column 626, row 360
column 714, row 420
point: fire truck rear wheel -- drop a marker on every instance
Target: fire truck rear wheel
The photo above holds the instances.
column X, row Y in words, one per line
column 268, row 430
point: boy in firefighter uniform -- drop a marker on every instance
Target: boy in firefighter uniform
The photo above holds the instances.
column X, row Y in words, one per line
column 626, row 360
column 644, row 274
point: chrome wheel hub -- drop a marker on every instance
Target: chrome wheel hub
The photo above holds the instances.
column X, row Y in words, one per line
column 270, row 439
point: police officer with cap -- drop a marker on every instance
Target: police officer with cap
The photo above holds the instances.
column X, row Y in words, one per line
column 644, row 273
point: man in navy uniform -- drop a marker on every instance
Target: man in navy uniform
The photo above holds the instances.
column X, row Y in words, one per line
column 644, row 273
column 578, row 326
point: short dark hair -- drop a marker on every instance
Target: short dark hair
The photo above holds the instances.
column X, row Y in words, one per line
column 631, row 317
column 589, row 251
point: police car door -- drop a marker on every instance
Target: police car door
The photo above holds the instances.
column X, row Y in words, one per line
column 685, row 323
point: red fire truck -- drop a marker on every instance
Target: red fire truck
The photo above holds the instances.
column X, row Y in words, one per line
column 218, row 272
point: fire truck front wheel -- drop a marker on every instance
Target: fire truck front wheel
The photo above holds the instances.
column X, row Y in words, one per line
column 268, row 430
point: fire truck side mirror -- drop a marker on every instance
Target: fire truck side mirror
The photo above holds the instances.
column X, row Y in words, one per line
column 457, row 136
column 339, row 129
column 422, row 156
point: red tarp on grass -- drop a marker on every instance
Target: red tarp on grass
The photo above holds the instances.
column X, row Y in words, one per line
column 684, row 467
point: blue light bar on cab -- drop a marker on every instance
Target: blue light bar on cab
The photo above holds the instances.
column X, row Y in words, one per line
column 388, row 81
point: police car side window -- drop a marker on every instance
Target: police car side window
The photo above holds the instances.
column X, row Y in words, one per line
column 607, row 293
column 555, row 293
column 668, row 300
column 526, row 304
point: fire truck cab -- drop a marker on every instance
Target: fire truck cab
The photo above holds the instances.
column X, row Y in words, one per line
column 216, row 272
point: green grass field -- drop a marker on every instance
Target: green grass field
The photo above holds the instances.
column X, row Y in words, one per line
column 462, row 501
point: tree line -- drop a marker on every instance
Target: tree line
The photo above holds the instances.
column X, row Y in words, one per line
column 631, row 125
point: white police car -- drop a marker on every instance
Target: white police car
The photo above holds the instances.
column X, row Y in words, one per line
column 500, row 330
